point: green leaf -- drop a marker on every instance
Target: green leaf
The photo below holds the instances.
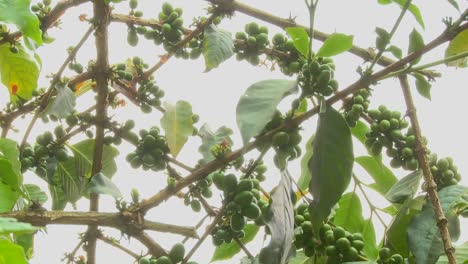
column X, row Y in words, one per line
column 396, row 51
column 404, row 188
column 100, row 184
column 35, row 193
column 458, row 45
column 454, row 4
column 11, row 253
column 306, row 175
column 300, row 39
column 210, row 138
column 12, row 226
column 26, row 241
column 416, row 42
column 178, row 124
column 335, row 44
column 359, row 131
column 9, row 197
column 423, row 85
column 18, row 13
column 331, row 165
column 10, row 166
column 423, row 234
column 280, row 222
column 258, row 104
column 368, row 234
column 361, row 262
column 19, row 72
column 301, row 258
column 412, row 8
column 64, row 102
column 218, row 46
column 461, row 254
column 382, row 175
column 227, row 251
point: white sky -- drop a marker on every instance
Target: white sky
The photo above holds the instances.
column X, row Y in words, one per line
column 214, row 96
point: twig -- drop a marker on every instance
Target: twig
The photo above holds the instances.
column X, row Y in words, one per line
column 200, row 223
column 70, row 257
column 114, row 243
column 154, row 248
column 421, row 153
column 372, row 207
column 243, row 247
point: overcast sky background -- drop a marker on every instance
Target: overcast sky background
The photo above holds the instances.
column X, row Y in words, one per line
column 214, row 96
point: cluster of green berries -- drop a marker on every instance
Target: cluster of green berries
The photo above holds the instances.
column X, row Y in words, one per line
column 132, row 36
column 303, row 230
column 78, row 119
column 149, row 94
column 386, row 131
column 292, row 63
column 202, row 188
column 286, row 144
column 74, row 65
column 255, row 40
column 358, row 104
column 42, row 8
column 259, row 172
column 316, row 77
column 341, row 245
column 444, row 171
column 151, row 151
column 386, row 257
column 176, row 255
column 124, row 132
column 223, row 233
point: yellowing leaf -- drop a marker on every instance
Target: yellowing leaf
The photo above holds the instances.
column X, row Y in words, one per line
column 178, row 125
column 458, row 45
column 18, row 72
column 18, row 13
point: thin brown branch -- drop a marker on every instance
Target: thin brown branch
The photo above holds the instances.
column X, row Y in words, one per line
column 71, row 256
column 154, row 248
column 421, row 153
column 116, row 244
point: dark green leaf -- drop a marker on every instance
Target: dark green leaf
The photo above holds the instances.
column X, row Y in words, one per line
column 12, row 226
column 218, row 46
column 458, row 45
column 300, row 39
column 35, row 193
column 404, row 188
column 280, row 222
column 383, row 176
column 100, row 184
column 461, row 254
column 335, row 44
column 64, row 102
column 396, row 51
column 18, row 13
column 26, row 241
column 331, row 165
column 304, row 180
column 9, row 197
column 454, row 4
column 423, row 85
column 11, row 253
column 210, row 138
column 423, row 234
column 416, row 42
column 10, row 165
column 177, row 123
column 258, row 104
column 227, row 251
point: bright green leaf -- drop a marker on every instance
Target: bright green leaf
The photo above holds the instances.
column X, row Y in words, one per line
column 404, row 188
column 178, row 125
column 396, row 51
column 64, row 102
column 458, row 45
column 300, row 39
column 306, row 175
column 12, row 226
column 301, row 258
column 19, row 72
column 412, row 8
column 359, row 131
column 100, row 184
column 11, row 253
column 210, row 138
column 335, row 44
column 218, row 46
column 382, row 175
column 423, row 85
column 9, row 150
column 416, row 42
column 35, row 193
column 368, row 234
column 228, row 250
column 461, row 254
column 331, row 165
column 9, row 197
column 258, row 104
column 18, row 13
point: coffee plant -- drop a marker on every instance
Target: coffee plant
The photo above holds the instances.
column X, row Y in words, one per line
column 316, row 217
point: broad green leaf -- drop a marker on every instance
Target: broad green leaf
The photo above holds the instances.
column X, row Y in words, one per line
column 461, row 254
column 423, row 234
column 35, row 193
column 383, row 176
column 100, row 184
column 280, row 222
column 258, row 104
column 57, row 194
column 301, row 258
column 19, row 72
column 12, row 226
column 396, row 51
column 178, row 125
column 227, row 251
column 306, row 175
column 8, row 176
column 412, row 8
column 368, row 234
column 404, row 188
column 335, row 44
column 423, row 85
column 26, row 241
column 18, row 13
column 9, row 151
column 11, row 253
column 359, row 131
column 331, row 165
column 210, row 138
column 218, row 46
column 9, row 197
column 300, row 39
column 64, row 102
column 416, row 42
column 458, row 45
